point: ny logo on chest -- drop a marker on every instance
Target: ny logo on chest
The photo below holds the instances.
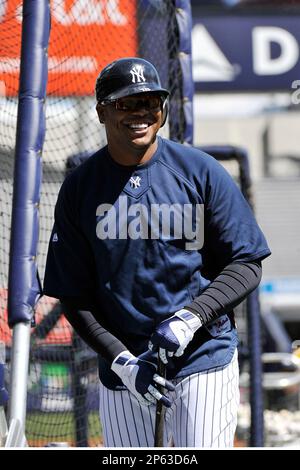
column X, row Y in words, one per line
column 135, row 182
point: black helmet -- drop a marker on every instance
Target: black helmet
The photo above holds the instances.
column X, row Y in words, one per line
column 128, row 76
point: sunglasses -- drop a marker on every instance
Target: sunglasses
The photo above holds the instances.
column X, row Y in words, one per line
column 135, row 103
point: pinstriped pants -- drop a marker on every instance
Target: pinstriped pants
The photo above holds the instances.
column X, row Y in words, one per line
column 203, row 413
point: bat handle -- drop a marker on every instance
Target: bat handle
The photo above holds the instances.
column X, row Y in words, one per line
column 160, row 409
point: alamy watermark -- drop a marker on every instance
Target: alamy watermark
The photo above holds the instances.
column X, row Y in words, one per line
column 157, row 221
column 296, row 94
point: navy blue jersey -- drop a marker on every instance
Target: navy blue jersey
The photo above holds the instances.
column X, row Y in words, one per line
column 146, row 240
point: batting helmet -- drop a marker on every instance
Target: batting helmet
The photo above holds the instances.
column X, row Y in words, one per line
column 128, row 76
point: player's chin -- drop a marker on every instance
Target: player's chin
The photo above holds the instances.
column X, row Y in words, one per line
column 141, row 142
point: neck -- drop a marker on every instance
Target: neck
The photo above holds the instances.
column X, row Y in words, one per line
column 134, row 155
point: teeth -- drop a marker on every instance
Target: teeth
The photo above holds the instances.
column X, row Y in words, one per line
column 138, row 126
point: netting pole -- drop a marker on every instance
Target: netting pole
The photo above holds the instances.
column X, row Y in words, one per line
column 180, row 65
column 79, row 394
column 23, row 285
column 256, row 372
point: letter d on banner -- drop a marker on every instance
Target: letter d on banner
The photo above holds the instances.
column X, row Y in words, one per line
column 263, row 63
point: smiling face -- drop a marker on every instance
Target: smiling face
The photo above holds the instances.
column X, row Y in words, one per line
column 131, row 126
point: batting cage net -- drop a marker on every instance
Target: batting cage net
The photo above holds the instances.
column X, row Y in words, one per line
column 62, row 402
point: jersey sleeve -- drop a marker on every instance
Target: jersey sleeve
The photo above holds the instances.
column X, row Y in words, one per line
column 69, row 266
column 231, row 231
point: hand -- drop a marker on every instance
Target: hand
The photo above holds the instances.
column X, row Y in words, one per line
column 140, row 378
column 172, row 336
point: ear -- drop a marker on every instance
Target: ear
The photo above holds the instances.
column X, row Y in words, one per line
column 100, row 112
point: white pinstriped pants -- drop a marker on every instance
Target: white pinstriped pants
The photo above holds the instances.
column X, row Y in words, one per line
column 203, row 413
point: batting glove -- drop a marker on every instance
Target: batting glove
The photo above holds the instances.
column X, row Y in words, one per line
column 172, row 336
column 140, row 378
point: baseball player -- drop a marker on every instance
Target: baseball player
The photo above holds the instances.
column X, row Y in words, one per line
column 152, row 247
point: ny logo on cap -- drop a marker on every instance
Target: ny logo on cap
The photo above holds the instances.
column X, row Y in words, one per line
column 135, row 182
column 137, row 74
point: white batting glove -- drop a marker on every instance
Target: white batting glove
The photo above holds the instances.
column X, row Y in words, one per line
column 172, row 336
column 140, row 378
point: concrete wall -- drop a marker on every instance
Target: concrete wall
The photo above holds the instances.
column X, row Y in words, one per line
column 235, row 120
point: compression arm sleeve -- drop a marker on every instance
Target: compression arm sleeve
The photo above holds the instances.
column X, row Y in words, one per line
column 80, row 316
column 229, row 288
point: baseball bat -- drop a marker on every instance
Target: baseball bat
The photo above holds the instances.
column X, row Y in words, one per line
column 160, row 409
